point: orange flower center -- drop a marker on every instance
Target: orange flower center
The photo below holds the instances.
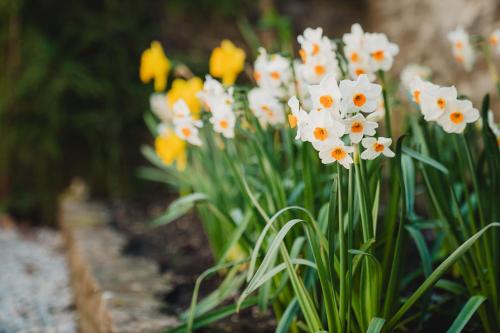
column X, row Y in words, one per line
column 354, row 57
column 356, row 127
column 456, row 117
column 378, row 147
column 319, row 70
column 458, row 45
column 338, row 153
column 359, row 100
column 320, row 133
column 224, row 124
column 326, row 101
column 186, row 132
column 292, row 120
column 493, row 40
column 359, row 71
column 459, row 58
column 416, row 96
column 378, row 55
column 441, row 103
column 315, row 49
column 303, row 55
column 256, row 76
column 275, row 75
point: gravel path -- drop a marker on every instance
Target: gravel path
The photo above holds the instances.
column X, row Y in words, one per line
column 35, row 296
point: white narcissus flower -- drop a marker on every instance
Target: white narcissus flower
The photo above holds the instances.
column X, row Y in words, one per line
column 457, row 115
column 323, row 128
column 272, row 70
column 319, row 66
column 336, row 151
column 462, row 48
column 266, row 107
column 326, row 95
column 359, row 95
column 299, row 118
column 412, row 71
column 375, row 147
column 434, row 100
column 159, row 106
column 313, row 43
column 381, row 51
column 494, row 40
column 224, row 124
column 185, row 126
column 358, row 126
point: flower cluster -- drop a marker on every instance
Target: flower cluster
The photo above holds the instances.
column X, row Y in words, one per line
column 367, row 53
column 318, row 56
column 219, row 103
column 274, row 77
column 440, row 104
column 338, row 110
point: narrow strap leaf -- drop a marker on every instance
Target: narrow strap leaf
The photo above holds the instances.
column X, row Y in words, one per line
column 466, row 313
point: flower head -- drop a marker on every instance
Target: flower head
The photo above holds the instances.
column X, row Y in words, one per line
column 227, row 62
column 326, row 95
column 462, row 48
column 224, row 123
column 381, row 52
column 272, row 71
column 266, row 107
column 434, row 100
column 154, row 66
column 359, row 95
column 375, row 147
column 185, row 126
column 457, row 115
column 323, row 127
column 336, row 151
column 358, row 126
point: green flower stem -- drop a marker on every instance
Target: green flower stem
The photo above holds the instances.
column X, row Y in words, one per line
column 343, row 253
column 387, row 110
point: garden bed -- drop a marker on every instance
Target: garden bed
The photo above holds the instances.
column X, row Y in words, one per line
column 129, row 277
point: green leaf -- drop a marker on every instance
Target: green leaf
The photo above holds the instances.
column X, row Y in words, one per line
column 425, row 159
column 466, row 313
column 422, row 248
column 437, row 273
column 179, row 207
column 376, row 325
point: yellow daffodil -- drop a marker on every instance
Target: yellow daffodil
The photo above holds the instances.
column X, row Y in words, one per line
column 170, row 148
column 186, row 90
column 226, row 62
column 154, row 65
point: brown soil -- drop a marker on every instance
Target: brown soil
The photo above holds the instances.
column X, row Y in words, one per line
column 181, row 252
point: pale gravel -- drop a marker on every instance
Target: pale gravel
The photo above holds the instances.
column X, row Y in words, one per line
column 35, row 296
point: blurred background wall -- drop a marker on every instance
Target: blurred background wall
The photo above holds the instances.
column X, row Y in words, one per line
column 71, row 103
